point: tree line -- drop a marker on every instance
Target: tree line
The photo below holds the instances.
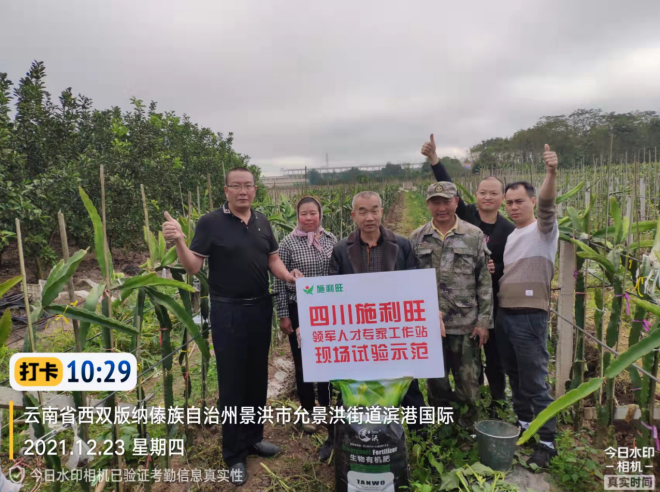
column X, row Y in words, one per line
column 48, row 148
column 582, row 138
column 389, row 172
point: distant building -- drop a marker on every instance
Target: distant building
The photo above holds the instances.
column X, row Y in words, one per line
column 282, row 181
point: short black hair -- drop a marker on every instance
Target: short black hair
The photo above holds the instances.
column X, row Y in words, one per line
column 529, row 188
column 236, row 169
column 493, row 177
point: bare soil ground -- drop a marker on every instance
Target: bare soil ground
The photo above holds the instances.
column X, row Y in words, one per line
column 123, row 261
column 394, row 216
column 297, row 465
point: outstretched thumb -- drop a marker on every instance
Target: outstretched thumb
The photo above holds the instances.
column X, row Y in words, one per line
column 168, row 217
column 547, row 148
column 432, row 140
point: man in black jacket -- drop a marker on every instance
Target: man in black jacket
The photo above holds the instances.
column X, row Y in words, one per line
column 373, row 248
column 485, row 215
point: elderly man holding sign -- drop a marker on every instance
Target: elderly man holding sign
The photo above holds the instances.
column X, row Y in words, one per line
column 386, row 334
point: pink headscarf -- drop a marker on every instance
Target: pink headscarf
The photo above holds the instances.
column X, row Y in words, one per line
column 312, row 237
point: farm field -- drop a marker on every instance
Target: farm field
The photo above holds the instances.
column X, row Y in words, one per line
column 85, row 268
column 579, row 466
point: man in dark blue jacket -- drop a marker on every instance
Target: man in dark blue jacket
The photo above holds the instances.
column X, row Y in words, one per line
column 485, row 215
column 373, row 248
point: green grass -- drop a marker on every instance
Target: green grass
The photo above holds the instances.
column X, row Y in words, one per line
column 415, row 213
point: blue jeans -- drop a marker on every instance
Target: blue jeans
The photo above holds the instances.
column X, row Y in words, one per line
column 522, row 343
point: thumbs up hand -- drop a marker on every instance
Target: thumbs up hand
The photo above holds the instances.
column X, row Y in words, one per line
column 172, row 229
column 550, row 158
column 429, row 150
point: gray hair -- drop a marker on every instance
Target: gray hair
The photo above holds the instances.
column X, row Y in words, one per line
column 366, row 194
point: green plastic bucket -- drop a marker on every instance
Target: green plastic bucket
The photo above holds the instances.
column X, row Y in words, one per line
column 496, row 441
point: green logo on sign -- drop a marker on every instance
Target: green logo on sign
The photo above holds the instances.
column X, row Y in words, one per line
column 324, row 289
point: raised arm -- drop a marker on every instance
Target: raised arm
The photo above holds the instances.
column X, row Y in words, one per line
column 546, row 210
column 441, row 174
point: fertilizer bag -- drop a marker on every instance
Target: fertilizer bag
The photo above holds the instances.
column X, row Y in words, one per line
column 370, row 451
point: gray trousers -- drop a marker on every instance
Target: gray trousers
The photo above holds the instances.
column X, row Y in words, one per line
column 522, row 343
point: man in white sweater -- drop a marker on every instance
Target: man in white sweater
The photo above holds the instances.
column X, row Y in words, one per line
column 524, row 298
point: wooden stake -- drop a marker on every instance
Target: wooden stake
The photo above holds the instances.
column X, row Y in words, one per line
column 208, row 184
column 642, row 199
column 629, row 215
column 71, row 292
column 183, row 208
column 108, row 278
column 28, row 313
column 637, row 214
column 146, row 223
column 140, row 392
column 566, row 309
column 186, row 337
column 84, row 428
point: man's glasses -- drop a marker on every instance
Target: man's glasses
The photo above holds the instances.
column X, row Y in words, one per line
column 237, row 187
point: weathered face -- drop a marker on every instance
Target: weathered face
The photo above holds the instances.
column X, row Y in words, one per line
column 309, row 217
column 240, row 189
column 520, row 206
column 443, row 210
column 489, row 195
column 367, row 214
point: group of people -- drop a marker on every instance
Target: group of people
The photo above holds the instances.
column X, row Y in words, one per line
column 493, row 284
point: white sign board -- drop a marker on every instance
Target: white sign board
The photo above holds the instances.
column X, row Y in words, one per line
column 370, row 326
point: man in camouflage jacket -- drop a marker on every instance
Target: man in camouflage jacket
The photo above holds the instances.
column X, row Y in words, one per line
column 457, row 250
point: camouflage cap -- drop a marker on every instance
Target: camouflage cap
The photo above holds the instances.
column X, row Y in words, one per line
column 445, row 189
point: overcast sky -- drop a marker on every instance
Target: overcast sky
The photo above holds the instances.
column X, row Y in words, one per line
column 364, row 81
